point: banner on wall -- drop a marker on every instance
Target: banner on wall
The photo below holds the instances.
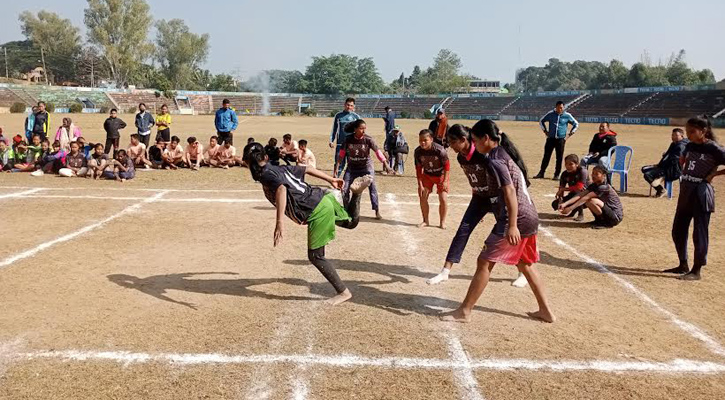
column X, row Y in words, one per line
column 626, row 120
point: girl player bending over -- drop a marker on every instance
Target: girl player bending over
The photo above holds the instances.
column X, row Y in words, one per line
column 432, row 168
column 357, row 148
column 308, row 205
column 703, row 156
column 513, row 238
column 485, row 192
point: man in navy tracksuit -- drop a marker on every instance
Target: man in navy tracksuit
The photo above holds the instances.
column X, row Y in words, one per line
column 226, row 123
column 556, row 136
column 338, row 132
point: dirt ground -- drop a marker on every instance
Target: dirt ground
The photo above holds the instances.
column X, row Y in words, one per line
column 168, row 286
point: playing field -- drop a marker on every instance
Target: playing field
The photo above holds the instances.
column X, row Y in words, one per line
column 168, row 287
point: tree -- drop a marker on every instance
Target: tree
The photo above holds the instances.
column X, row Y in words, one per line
column 414, row 79
column 367, row 79
column 22, row 57
column 180, row 52
column 443, row 76
column 224, row 83
column 59, row 39
column 120, row 29
column 90, row 67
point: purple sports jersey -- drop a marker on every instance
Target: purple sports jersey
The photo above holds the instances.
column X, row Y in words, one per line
column 357, row 152
column 432, row 161
column 508, row 173
column 571, row 179
column 700, row 161
column 478, row 172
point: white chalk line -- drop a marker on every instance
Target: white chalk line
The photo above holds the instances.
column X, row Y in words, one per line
column 31, row 252
column 125, row 189
column 354, row 361
column 20, row 194
column 465, row 380
column 180, row 200
column 713, row 345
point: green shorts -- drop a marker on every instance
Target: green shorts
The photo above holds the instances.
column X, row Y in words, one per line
column 321, row 223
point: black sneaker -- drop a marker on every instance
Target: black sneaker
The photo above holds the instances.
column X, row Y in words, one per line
column 540, row 175
column 660, row 193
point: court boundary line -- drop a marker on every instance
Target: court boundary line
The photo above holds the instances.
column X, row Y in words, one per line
column 127, row 358
column 691, row 329
column 465, row 379
column 20, row 194
column 70, row 236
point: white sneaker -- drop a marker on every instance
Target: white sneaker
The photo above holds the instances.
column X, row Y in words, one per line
column 360, row 184
column 520, row 282
column 441, row 277
column 37, row 173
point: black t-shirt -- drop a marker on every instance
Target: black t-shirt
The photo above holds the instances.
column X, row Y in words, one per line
column 156, row 154
column 700, row 161
column 477, row 170
column 606, row 193
column 301, row 197
column 76, row 161
column 572, row 179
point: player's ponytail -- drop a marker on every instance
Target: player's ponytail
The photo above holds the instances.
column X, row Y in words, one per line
column 704, row 123
column 255, row 155
column 458, row 132
column 487, row 127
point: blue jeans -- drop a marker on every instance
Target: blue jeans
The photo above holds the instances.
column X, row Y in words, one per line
column 343, row 162
column 591, row 160
column 351, row 176
column 477, row 209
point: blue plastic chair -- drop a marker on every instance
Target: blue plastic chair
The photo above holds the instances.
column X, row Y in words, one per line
column 620, row 158
column 668, row 187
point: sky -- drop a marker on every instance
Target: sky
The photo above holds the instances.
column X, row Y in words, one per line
column 493, row 38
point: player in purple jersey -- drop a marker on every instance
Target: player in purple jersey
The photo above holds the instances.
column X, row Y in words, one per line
column 703, row 155
column 513, row 239
column 484, row 187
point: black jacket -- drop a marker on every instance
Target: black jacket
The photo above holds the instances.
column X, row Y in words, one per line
column 670, row 162
column 433, row 127
column 602, row 145
column 112, row 126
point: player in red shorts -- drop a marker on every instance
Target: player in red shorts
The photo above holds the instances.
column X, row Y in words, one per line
column 432, row 168
column 513, row 239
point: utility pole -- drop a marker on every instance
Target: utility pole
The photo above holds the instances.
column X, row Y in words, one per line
column 45, row 71
column 92, row 80
column 7, row 76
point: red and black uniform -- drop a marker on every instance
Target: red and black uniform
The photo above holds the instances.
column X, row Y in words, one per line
column 430, row 166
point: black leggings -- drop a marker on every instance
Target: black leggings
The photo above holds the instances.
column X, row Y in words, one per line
column 317, row 256
column 700, row 233
column 111, row 141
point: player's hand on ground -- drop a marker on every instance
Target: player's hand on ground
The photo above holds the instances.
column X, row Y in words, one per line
column 513, row 235
column 278, row 234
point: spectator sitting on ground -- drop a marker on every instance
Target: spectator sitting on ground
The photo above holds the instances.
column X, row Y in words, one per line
column 669, row 168
column 600, row 198
column 225, row 156
column 137, row 152
column 156, row 154
column 76, row 163
column 289, row 149
column 272, row 151
column 306, row 157
column 210, row 152
column 193, row 154
column 173, row 154
column 599, row 147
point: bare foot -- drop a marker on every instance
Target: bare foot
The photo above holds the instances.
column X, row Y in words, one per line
column 457, row 316
column 442, row 225
column 423, row 224
column 378, row 216
column 542, row 316
column 340, row 298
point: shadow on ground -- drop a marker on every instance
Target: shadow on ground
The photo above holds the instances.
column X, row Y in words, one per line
column 367, row 293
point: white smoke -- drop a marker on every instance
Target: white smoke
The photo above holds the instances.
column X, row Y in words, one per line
column 264, row 88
